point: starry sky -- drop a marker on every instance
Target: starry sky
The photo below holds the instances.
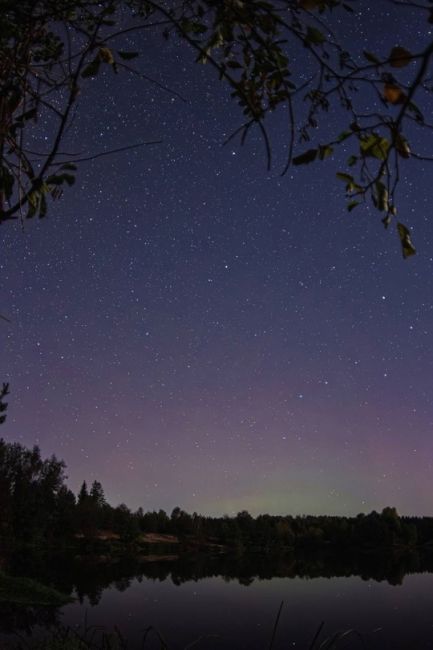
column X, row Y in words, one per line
column 191, row 329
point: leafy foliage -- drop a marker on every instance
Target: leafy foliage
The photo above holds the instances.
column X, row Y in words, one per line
column 50, row 49
column 29, row 491
column 24, row 591
column 46, row 48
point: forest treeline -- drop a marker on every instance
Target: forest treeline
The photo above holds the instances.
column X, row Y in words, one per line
column 36, row 506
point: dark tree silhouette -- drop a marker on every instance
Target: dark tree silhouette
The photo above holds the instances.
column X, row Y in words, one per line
column 3, row 405
column 36, row 505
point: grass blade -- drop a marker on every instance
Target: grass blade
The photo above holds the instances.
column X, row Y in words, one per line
column 274, row 631
column 316, row 636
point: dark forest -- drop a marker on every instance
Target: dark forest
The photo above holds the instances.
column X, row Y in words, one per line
column 37, row 506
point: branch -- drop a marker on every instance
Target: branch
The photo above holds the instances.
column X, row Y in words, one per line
column 112, row 151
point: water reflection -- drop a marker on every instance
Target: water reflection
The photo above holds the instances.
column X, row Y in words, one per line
column 87, row 576
column 200, row 594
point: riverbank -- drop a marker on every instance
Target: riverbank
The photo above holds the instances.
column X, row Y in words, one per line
column 26, row 591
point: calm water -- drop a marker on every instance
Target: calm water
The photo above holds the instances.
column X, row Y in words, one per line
column 187, row 600
column 242, row 617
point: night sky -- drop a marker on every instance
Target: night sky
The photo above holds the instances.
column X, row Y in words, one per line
column 193, row 330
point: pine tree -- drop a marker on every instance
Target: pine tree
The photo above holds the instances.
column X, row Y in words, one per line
column 97, row 494
column 83, row 494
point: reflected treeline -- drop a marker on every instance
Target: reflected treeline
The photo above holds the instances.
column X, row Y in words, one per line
column 318, row 564
column 82, row 576
column 88, row 576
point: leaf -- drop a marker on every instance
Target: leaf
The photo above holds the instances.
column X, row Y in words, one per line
column 309, row 5
column 29, row 115
column 387, row 221
column 413, row 108
column 127, row 56
column 14, row 100
column 69, row 179
column 375, row 146
column 33, row 199
column 234, row 65
column 43, row 207
column 198, row 28
column 408, row 248
column 109, row 10
column 6, row 182
column 59, row 179
column 352, row 205
column 54, row 180
column 381, row 197
column 106, row 55
column 32, row 202
column 372, row 58
column 187, row 25
column 352, row 160
column 92, row 69
column 314, row 36
column 394, row 94
column 347, row 178
column 306, row 158
column 344, row 135
column 325, row 151
column 399, row 57
column 402, row 146
column 70, row 166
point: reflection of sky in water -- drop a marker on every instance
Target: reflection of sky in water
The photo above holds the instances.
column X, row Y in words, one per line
column 243, row 616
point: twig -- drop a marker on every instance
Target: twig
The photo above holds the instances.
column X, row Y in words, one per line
column 112, row 151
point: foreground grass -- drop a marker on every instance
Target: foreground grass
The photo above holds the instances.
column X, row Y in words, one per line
column 27, row 592
column 24, row 591
column 94, row 638
column 70, row 640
